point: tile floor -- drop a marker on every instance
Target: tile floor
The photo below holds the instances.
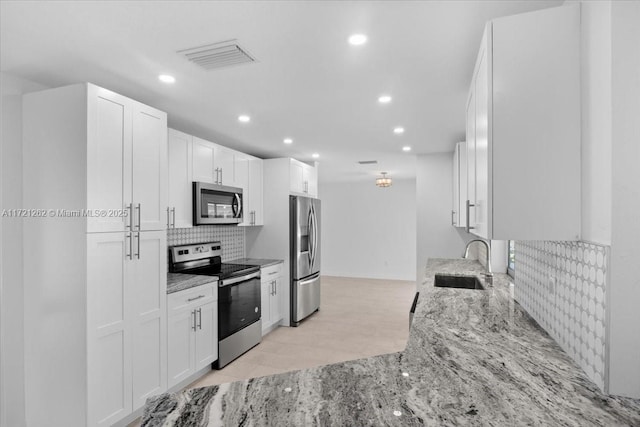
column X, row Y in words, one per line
column 357, row 318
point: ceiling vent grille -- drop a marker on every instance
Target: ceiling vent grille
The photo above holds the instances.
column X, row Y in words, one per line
column 368, row 162
column 218, row 55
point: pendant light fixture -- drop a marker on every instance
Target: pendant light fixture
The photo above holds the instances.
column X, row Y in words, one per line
column 383, row 181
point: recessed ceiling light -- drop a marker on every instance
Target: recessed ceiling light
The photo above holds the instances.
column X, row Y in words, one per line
column 166, row 78
column 244, row 118
column 398, row 130
column 315, row 155
column 358, row 39
column 288, row 141
column 384, row 99
column 406, row 148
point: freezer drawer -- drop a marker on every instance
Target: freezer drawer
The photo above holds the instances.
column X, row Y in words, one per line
column 305, row 295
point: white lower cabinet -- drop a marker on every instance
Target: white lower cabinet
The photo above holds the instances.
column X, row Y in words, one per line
column 192, row 331
column 271, row 295
column 126, row 321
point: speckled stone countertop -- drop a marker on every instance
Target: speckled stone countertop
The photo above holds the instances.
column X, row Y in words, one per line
column 179, row 282
column 474, row 357
column 256, row 261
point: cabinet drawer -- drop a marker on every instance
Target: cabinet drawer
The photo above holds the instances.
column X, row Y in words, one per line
column 192, row 297
column 271, row 272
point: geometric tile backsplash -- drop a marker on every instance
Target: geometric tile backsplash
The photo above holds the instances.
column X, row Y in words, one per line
column 232, row 238
column 563, row 286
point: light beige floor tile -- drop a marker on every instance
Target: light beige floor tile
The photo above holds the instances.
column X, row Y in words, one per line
column 358, row 318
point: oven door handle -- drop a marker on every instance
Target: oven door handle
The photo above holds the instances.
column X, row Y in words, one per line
column 235, row 280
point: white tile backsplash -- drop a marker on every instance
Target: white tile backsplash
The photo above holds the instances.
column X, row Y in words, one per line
column 563, row 286
column 232, row 238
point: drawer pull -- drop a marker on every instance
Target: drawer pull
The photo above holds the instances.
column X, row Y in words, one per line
column 193, row 299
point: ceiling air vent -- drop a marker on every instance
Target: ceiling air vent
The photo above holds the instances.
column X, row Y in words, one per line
column 368, row 162
column 218, row 55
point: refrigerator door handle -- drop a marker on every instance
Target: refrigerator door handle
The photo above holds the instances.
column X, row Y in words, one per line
column 315, row 235
column 310, row 238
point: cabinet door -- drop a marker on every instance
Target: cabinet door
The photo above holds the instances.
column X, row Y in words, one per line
column 256, row 191
column 108, row 158
column 206, row 351
column 223, row 160
column 147, row 284
column 203, row 168
column 265, row 301
column 181, row 345
column 455, row 201
column 310, row 180
column 149, row 168
column 242, row 181
column 180, row 184
column 109, row 361
column 296, row 179
column 471, row 160
column 274, row 305
column 482, row 209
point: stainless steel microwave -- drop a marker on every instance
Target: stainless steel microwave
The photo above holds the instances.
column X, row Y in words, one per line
column 216, row 204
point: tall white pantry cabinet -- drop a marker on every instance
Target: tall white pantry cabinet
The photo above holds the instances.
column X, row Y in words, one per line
column 95, row 277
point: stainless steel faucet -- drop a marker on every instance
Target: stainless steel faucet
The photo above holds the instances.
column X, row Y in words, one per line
column 488, row 274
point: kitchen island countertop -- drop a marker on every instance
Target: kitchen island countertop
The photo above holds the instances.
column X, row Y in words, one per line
column 474, row 357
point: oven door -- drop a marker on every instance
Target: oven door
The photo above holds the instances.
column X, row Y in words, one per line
column 238, row 304
column 216, row 204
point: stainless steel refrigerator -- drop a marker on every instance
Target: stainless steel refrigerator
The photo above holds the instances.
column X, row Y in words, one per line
column 304, row 248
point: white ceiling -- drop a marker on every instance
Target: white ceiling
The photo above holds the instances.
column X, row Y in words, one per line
column 308, row 83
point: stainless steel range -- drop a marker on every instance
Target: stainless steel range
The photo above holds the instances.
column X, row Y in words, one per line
column 239, row 317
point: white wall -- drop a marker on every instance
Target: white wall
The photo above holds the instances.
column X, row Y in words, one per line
column 369, row 231
column 434, row 194
column 11, row 290
column 624, row 298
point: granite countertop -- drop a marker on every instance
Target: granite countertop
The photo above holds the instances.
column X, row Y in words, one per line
column 179, row 282
column 474, row 357
column 256, row 261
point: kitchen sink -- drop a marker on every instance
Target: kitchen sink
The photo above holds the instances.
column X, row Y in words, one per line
column 463, row 282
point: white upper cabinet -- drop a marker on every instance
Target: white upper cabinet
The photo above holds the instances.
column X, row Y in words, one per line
column 523, row 128
column 203, row 166
column 126, row 163
column 224, row 166
column 213, row 163
column 249, row 177
column 303, row 178
column 179, row 211
column 149, row 169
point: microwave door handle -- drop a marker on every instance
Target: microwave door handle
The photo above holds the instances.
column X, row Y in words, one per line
column 236, row 205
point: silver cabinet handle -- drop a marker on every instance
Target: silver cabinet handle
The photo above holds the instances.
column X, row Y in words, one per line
column 139, row 208
column 220, row 176
column 272, row 273
column 469, row 206
column 193, row 299
column 193, row 326
column 453, row 214
column 137, row 236
column 173, row 214
column 200, row 318
column 129, row 223
column 168, row 217
column 129, row 255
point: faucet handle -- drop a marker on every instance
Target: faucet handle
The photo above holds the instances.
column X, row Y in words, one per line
column 488, row 277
